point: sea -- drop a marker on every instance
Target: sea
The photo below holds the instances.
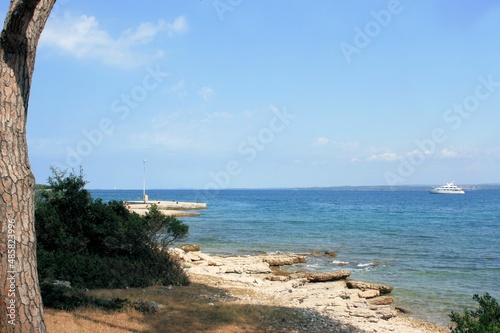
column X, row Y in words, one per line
column 437, row 251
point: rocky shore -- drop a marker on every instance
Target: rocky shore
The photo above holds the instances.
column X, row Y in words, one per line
column 352, row 306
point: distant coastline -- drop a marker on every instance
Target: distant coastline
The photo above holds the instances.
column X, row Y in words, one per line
column 467, row 187
column 470, row 187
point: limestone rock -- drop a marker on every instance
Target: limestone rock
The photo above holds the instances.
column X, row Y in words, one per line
column 382, row 300
column 369, row 293
column 364, row 313
column 190, row 248
column 322, row 277
column 238, row 269
column 383, row 289
column 214, row 263
column 386, row 314
column 203, row 256
column 297, row 283
column 281, row 260
column 191, row 256
column 176, row 252
column 249, row 269
column 280, row 278
column 257, row 269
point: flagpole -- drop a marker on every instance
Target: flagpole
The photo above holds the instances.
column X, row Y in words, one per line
column 144, row 182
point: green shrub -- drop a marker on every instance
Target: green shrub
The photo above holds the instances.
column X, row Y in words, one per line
column 93, row 244
column 163, row 230
column 484, row 319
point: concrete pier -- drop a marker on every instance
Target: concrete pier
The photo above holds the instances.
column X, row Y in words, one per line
column 174, row 208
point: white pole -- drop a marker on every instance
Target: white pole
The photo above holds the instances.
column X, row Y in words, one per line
column 144, row 182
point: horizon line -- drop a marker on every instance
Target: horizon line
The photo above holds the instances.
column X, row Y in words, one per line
column 294, row 187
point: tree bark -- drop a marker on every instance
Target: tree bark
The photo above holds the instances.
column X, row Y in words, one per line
column 20, row 302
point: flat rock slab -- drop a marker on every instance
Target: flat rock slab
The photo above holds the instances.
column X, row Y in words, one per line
column 383, row 289
column 381, row 300
column 322, row 277
column 282, row 260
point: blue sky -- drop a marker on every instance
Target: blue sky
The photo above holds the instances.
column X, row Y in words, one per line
column 238, row 93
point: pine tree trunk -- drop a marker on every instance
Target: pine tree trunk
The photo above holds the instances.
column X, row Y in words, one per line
column 20, row 302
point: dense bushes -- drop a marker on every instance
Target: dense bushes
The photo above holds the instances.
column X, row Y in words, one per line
column 63, row 298
column 94, row 244
column 484, row 319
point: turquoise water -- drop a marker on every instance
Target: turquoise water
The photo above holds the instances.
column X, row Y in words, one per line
column 436, row 250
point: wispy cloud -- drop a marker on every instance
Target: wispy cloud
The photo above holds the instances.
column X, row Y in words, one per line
column 448, row 153
column 388, row 156
column 343, row 145
column 179, row 88
column 378, row 154
column 470, row 152
column 83, row 38
column 206, row 93
column 321, row 141
column 179, row 26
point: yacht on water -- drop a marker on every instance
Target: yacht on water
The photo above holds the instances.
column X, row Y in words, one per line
column 449, row 188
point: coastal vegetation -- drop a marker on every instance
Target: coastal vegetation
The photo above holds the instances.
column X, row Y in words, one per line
column 484, row 319
column 95, row 244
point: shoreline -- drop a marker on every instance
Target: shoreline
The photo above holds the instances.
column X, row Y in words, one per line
column 363, row 306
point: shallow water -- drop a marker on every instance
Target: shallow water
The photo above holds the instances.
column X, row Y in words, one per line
column 436, row 250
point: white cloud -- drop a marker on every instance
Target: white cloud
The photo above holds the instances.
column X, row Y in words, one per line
column 389, row 156
column 179, row 26
column 470, row 152
column 321, row 141
column 206, row 93
column 145, row 32
column 83, row 38
column 448, row 153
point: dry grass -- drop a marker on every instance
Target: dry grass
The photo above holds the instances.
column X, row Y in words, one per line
column 194, row 308
column 94, row 321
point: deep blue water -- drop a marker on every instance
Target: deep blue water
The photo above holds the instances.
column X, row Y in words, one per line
column 436, row 250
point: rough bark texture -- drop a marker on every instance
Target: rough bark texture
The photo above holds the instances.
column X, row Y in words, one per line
column 20, row 302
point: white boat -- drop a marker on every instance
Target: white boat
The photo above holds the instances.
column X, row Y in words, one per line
column 449, row 188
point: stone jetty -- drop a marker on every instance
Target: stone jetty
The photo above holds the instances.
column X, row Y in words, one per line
column 173, row 208
column 367, row 307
